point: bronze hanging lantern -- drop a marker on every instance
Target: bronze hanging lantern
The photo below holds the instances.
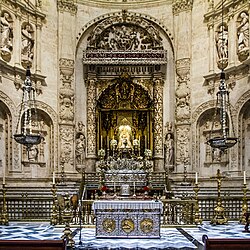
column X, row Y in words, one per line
column 224, row 141
column 28, row 135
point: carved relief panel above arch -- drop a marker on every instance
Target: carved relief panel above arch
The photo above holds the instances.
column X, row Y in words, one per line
column 125, row 33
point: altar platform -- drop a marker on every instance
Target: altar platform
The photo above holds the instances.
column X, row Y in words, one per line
column 185, row 238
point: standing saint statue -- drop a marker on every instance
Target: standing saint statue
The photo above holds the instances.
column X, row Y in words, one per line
column 169, row 150
column 243, row 32
column 27, row 44
column 222, row 42
column 6, row 33
column 80, row 148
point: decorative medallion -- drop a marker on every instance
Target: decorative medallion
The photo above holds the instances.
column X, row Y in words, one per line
column 128, row 225
column 108, row 225
column 147, row 225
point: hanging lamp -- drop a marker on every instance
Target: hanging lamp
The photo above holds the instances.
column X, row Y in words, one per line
column 224, row 140
column 29, row 136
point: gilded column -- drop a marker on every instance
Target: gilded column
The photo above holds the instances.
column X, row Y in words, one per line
column 158, row 123
column 91, row 118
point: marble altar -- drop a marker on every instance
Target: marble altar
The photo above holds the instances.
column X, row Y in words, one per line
column 127, row 219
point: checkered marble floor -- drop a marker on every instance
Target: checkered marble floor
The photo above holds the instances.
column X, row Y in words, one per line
column 171, row 238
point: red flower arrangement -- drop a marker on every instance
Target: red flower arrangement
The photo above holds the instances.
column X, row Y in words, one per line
column 146, row 188
column 104, row 188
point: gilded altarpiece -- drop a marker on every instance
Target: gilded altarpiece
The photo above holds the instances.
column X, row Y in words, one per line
column 125, row 65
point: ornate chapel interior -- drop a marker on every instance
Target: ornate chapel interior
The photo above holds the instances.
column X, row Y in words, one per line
column 119, row 99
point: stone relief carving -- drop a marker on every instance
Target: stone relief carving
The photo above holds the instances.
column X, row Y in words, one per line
column 221, row 39
column 67, row 137
column 122, row 17
column 27, row 48
column 243, row 36
column 66, row 93
column 66, row 103
column 6, row 35
column 183, row 91
column 125, row 32
column 67, row 5
column 182, row 5
column 182, row 133
column 128, row 37
column 183, row 100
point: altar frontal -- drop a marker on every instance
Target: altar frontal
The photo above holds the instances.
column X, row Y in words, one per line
column 127, row 219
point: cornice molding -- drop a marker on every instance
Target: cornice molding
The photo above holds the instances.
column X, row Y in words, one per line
column 125, row 4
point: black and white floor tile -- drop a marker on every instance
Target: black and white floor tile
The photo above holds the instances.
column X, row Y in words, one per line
column 185, row 238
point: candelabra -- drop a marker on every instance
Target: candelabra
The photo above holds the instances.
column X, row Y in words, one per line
column 62, row 172
column 244, row 204
column 67, row 218
column 4, row 217
column 219, row 217
column 197, row 217
column 53, row 220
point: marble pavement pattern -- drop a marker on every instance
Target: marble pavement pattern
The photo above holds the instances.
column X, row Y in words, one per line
column 184, row 238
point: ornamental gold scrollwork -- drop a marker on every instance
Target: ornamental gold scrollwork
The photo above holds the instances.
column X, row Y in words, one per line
column 128, row 225
column 109, row 225
column 147, row 225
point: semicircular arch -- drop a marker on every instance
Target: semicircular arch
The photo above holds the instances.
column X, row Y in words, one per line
column 103, row 22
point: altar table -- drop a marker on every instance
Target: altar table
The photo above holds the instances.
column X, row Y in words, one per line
column 127, row 219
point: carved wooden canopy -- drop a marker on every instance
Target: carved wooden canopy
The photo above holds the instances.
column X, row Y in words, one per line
column 123, row 93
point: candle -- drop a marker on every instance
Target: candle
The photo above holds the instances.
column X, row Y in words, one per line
column 196, row 178
column 134, row 186
column 101, row 141
column 244, row 177
column 114, row 186
column 145, row 142
column 54, row 179
column 107, row 142
column 3, row 178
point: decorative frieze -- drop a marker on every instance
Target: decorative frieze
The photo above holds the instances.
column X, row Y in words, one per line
column 182, row 5
column 233, row 74
column 67, row 5
column 134, row 57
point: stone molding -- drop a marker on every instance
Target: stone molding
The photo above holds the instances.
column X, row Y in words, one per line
column 67, row 6
column 125, row 4
column 181, row 6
